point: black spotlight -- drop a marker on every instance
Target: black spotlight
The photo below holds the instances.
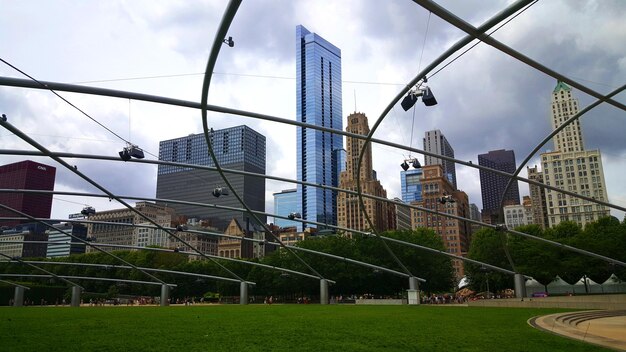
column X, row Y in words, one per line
column 229, row 41
column 404, row 166
column 220, row 191
column 428, row 98
column 181, row 227
column 3, row 118
column 88, row 211
column 292, row 216
column 416, row 164
column 125, row 155
column 136, row 152
column 409, row 101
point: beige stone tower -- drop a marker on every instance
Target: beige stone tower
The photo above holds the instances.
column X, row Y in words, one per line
column 348, row 209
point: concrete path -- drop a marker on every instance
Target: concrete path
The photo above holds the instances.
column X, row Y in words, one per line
column 606, row 328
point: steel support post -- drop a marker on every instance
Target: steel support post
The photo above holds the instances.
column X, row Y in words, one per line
column 520, row 285
column 18, row 298
column 243, row 293
column 165, row 295
column 76, row 291
column 413, row 293
column 323, row 291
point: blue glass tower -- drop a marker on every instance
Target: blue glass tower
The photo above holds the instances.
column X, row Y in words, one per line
column 286, row 202
column 318, row 102
column 411, row 185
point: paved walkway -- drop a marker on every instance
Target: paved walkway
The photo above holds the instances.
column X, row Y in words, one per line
column 604, row 327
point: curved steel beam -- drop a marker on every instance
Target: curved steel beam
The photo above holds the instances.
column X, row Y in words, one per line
column 549, row 137
column 77, row 238
column 16, row 82
column 74, row 169
column 420, row 76
column 153, row 249
column 19, row 260
column 227, row 19
column 456, row 217
column 110, row 266
column 480, row 35
column 64, row 277
column 14, row 284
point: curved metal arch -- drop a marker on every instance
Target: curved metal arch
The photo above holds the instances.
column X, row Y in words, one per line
column 14, row 284
column 227, row 19
column 272, row 267
column 540, row 239
column 16, row 82
column 44, row 150
column 19, row 260
column 113, row 266
column 217, row 234
column 77, row 238
column 64, row 277
column 550, row 135
column 421, row 75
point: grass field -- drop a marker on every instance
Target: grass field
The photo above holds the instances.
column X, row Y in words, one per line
column 277, row 328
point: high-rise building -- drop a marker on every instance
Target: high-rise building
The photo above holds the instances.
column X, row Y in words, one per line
column 492, row 185
column 411, row 184
column 349, row 208
column 236, row 148
column 455, row 233
column 27, row 175
column 318, row 102
column 564, row 106
column 435, row 142
column 285, row 203
column 60, row 244
column 571, row 167
column 537, row 198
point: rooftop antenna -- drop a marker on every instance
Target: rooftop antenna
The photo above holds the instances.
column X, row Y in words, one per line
column 355, row 100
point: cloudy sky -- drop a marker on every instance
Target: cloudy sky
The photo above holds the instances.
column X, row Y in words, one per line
column 487, row 100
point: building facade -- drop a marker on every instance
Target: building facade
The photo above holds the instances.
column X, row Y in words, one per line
column 455, row 233
column 14, row 242
column 435, row 142
column 518, row 215
column 60, row 244
column 318, row 102
column 403, row 215
column 571, row 167
column 537, row 197
column 492, row 185
column 350, row 215
column 285, row 203
column 411, row 184
column 236, row 148
column 579, row 172
column 120, row 231
column 27, row 175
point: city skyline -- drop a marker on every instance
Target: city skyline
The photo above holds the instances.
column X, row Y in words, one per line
column 508, row 111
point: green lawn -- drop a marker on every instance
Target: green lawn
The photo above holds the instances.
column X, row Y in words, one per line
column 277, row 328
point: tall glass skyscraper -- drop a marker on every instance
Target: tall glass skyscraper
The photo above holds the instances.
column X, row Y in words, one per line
column 318, row 101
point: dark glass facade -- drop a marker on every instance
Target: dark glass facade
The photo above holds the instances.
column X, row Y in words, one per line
column 318, row 102
column 236, row 148
column 26, row 175
column 492, row 185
